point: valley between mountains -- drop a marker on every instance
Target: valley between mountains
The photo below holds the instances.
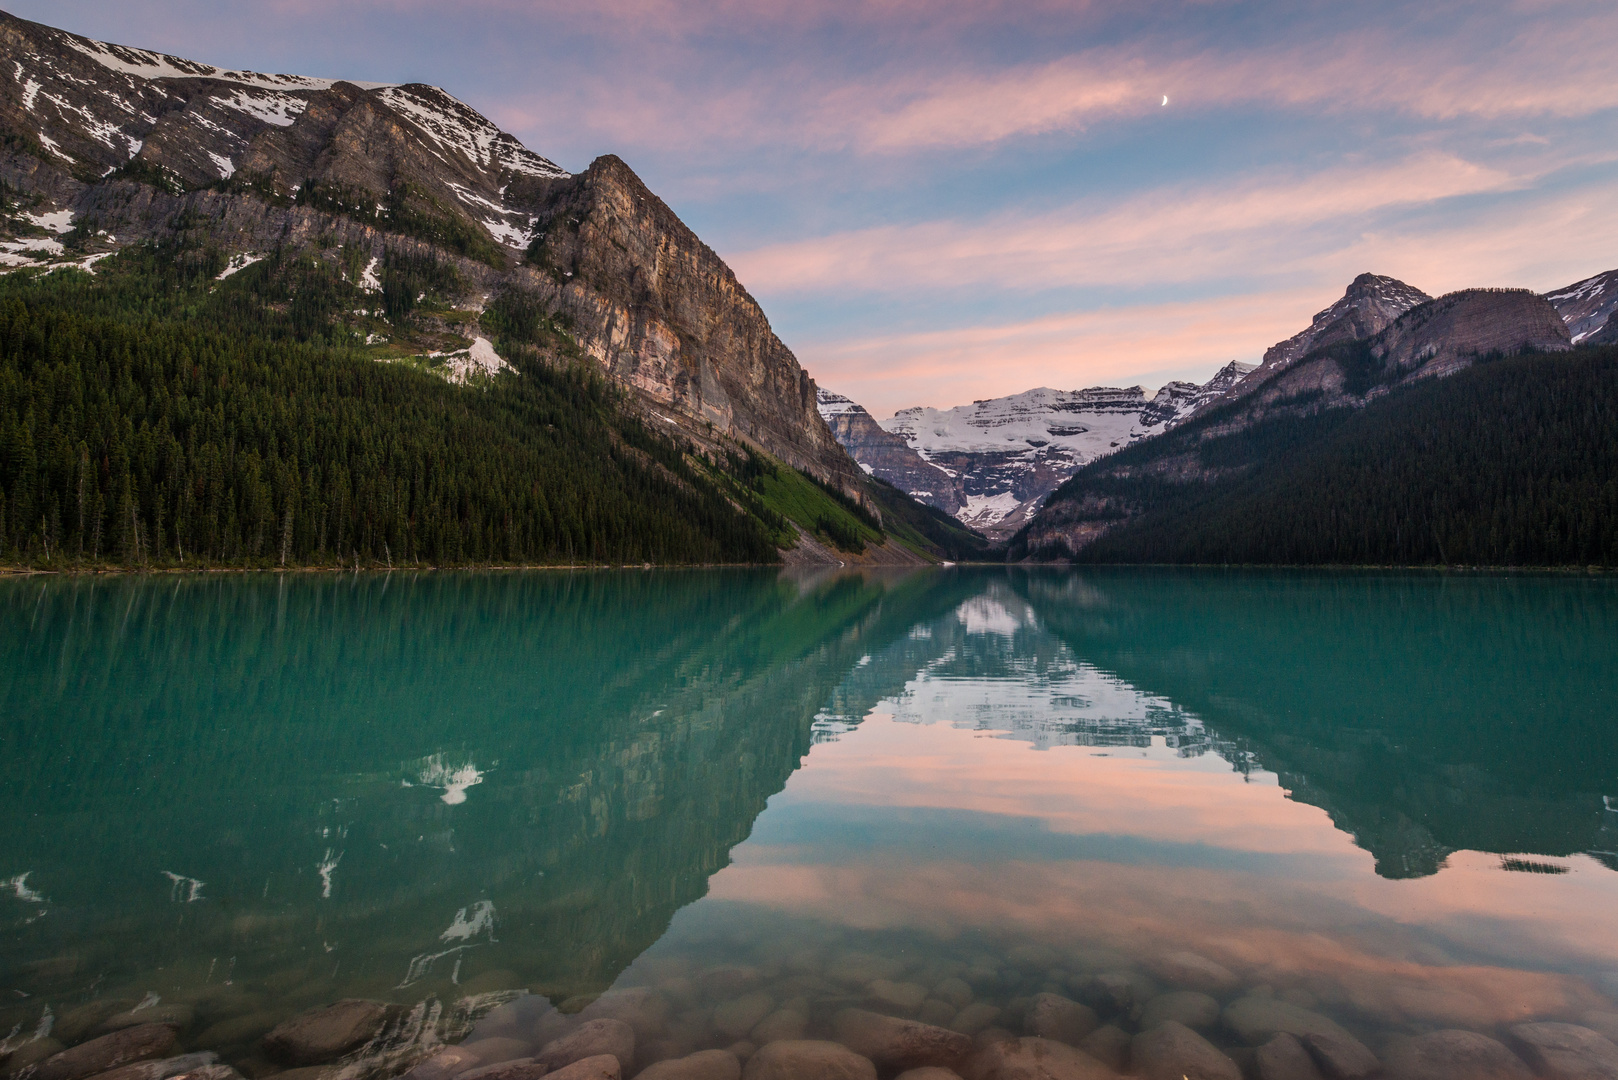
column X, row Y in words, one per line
column 270, row 320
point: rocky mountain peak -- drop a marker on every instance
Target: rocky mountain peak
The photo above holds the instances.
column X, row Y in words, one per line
column 1367, row 306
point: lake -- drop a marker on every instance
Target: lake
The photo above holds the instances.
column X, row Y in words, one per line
column 746, row 801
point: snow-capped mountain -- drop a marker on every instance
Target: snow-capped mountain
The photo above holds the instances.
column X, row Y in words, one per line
column 109, row 146
column 1587, row 306
column 991, row 463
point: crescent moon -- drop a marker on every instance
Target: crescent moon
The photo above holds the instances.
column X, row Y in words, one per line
column 1165, row 99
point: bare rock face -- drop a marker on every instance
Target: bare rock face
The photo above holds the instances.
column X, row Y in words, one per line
column 327, row 1033
column 898, row 1044
column 1368, row 305
column 663, row 313
column 1454, row 1055
column 1172, row 1051
column 807, row 1059
column 1566, row 1051
column 888, row 456
column 140, row 1043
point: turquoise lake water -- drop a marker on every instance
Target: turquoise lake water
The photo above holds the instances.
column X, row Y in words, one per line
column 1391, row 799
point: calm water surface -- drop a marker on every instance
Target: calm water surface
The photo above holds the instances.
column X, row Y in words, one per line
column 1389, row 799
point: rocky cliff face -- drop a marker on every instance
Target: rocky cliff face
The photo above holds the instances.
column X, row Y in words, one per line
column 108, row 145
column 884, row 454
column 1369, row 304
column 992, row 463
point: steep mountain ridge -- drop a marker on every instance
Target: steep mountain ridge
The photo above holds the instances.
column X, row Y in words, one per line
column 1367, row 306
column 992, row 463
column 109, row 146
column 1350, row 370
column 886, row 455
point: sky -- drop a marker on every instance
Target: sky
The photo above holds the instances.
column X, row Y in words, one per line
column 937, row 201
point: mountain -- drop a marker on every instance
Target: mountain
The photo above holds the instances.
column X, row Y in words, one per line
column 884, row 454
column 1319, row 459
column 1369, row 304
column 1587, row 306
column 395, row 224
column 992, row 463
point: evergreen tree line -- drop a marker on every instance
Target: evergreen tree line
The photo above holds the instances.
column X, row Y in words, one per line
column 1512, row 462
column 141, row 423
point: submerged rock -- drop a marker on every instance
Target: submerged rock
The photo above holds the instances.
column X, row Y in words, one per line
column 1341, row 1056
column 599, row 1067
column 780, row 1026
column 904, row 997
column 35, row 1050
column 1192, row 971
column 1454, row 1055
column 1033, row 1058
column 180, row 1016
column 643, row 1009
column 1286, row 1058
column 738, row 1016
column 893, row 1043
column 955, row 991
column 163, row 1069
column 1108, row 1044
column 1052, row 1016
column 975, row 1018
column 514, row 1069
column 808, row 1059
column 1257, row 1020
column 593, row 1038
column 448, row 1062
column 1567, row 1051
column 1192, row 1008
column 707, row 1065
column 327, row 1033
column 141, row 1043
column 499, row 1048
column 929, row 1072
column 1172, row 1051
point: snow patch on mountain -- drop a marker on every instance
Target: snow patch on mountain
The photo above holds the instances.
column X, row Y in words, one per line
column 1587, row 306
column 146, row 64
column 456, row 126
column 273, row 108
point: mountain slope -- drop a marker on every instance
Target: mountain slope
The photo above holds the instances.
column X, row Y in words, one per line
column 1508, row 463
column 992, row 463
column 395, row 224
column 1269, row 421
column 125, row 145
column 1587, row 306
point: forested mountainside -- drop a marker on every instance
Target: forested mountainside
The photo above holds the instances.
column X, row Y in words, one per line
column 156, row 415
column 1508, row 462
column 992, row 463
column 407, row 331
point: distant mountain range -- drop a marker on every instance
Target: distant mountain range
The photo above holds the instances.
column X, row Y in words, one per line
column 991, row 463
column 995, row 463
column 395, row 223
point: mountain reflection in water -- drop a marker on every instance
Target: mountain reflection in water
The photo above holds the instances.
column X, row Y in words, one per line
column 404, row 787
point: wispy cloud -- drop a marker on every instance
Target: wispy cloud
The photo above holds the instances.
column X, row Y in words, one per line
column 1176, row 234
